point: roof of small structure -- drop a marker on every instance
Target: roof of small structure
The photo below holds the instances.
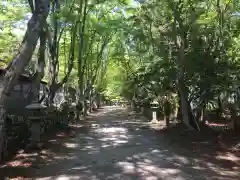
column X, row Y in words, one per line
column 22, row 77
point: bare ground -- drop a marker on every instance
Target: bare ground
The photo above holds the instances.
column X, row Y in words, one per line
column 112, row 144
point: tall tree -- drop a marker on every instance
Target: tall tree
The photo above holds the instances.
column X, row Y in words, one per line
column 35, row 25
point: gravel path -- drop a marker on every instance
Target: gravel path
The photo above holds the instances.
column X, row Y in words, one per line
column 112, row 145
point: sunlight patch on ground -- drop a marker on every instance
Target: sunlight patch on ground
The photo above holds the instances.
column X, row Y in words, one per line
column 79, row 168
column 219, row 170
column 90, row 147
column 228, row 156
column 198, row 168
column 84, row 176
column 115, row 139
column 149, row 171
column 52, row 140
column 111, row 130
column 155, row 151
column 147, row 168
column 65, row 157
column 19, row 163
column 153, row 165
column 66, row 177
column 71, row 145
column 61, row 134
column 112, row 136
column 179, row 159
column 75, row 125
column 127, row 167
column 157, row 126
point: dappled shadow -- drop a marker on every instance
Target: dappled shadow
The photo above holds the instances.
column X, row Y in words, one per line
column 57, row 145
column 112, row 144
column 210, row 149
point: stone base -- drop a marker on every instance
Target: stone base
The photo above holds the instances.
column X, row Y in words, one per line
column 35, row 130
column 64, row 120
column 155, row 122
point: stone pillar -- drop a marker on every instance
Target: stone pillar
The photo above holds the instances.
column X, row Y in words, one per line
column 64, row 110
column 72, row 113
column 36, row 113
column 154, row 108
column 138, row 107
column 87, row 106
column 35, row 130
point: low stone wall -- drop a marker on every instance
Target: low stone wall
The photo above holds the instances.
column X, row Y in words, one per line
column 18, row 129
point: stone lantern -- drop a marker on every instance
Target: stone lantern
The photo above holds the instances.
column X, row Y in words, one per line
column 87, row 106
column 72, row 110
column 154, row 108
column 137, row 106
column 36, row 115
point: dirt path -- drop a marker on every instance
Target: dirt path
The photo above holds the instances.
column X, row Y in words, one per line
column 110, row 146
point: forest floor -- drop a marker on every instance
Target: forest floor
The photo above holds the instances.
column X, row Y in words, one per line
column 113, row 144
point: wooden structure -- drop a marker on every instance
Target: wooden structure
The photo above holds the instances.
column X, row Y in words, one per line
column 20, row 96
column 28, row 120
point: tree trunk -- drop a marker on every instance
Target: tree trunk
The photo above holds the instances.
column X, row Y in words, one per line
column 98, row 100
column 220, row 109
column 167, row 111
column 186, row 112
column 179, row 40
column 202, row 113
column 179, row 111
column 56, row 86
column 82, row 20
column 233, row 117
column 40, row 68
column 54, row 51
column 18, row 64
column 90, row 101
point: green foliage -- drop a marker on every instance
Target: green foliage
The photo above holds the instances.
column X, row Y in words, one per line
column 211, row 49
column 130, row 49
column 11, row 15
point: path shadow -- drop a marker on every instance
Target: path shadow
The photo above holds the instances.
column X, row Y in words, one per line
column 110, row 145
column 57, row 145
